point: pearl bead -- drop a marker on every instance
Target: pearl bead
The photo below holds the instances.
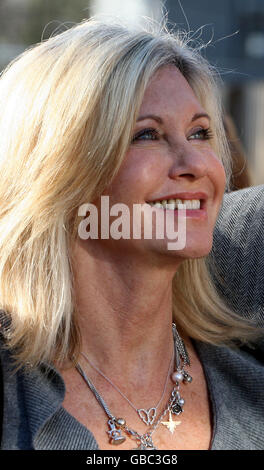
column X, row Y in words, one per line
column 181, row 401
column 121, row 421
column 177, row 377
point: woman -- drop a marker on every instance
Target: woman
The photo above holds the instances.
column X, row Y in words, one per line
column 131, row 115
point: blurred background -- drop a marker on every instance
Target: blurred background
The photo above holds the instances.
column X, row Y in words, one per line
column 233, row 29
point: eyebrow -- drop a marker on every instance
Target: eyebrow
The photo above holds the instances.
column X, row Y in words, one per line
column 160, row 121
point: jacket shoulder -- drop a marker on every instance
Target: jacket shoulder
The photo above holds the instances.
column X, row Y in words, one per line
column 237, row 259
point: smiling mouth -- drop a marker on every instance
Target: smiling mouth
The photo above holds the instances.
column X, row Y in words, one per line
column 173, row 204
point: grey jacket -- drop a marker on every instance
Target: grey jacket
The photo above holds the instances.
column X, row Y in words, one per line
column 33, row 416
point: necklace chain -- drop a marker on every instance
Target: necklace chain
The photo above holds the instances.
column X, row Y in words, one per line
column 147, row 415
column 180, row 349
column 92, row 387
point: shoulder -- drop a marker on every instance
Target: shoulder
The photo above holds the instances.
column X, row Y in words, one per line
column 237, row 256
column 235, row 379
column 239, row 228
column 240, row 207
column 29, row 398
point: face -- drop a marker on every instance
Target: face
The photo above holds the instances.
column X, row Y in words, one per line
column 171, row 157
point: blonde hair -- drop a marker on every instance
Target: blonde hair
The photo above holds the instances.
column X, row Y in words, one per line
column 68, row 108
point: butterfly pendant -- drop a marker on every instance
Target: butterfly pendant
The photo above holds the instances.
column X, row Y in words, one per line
column 147, row 416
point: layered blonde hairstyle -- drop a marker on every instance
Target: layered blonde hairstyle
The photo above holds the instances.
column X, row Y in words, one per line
column 68, row 109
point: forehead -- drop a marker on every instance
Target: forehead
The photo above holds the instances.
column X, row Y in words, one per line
column 169, row 90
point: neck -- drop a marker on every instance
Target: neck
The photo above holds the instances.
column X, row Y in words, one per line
column 125, row 315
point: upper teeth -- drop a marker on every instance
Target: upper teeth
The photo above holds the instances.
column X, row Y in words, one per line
column 173, row 203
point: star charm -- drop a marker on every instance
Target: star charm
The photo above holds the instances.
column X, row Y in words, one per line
column 171, row 425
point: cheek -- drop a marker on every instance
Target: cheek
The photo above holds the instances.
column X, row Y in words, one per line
column 221, row 177
column 217, row 176
column 141, row 171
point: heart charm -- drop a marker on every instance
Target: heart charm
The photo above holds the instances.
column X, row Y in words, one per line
column 147, row 416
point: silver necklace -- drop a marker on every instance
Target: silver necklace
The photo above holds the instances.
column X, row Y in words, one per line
column 117, row 425
column 174, row 406
column 148, row 416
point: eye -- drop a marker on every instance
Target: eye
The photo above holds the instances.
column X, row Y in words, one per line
column 146, row 134
column 201, row 134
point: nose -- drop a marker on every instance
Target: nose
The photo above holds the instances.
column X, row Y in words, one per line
column 189, row 162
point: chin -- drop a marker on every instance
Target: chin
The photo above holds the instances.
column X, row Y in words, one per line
column 194, row 250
